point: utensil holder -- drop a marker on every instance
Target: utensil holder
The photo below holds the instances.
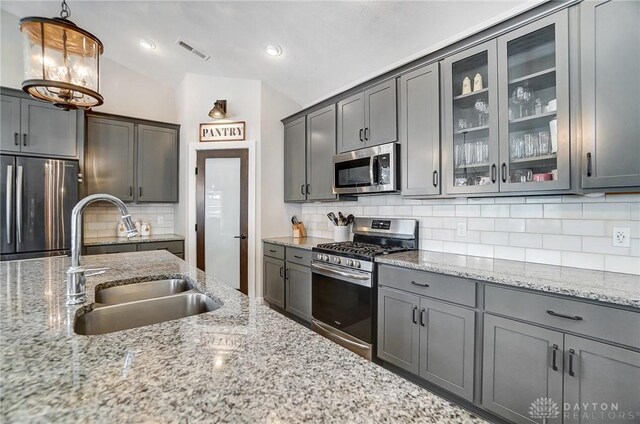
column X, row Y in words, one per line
column 341, row 233
column 299, row 231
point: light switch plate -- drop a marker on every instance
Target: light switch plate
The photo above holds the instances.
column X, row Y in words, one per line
column 621, row 237
column 462, row 229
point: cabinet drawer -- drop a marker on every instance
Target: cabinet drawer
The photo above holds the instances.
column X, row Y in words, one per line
column 602, row 322
column 171, row 246
column 110, row 248
column 451, row 289
column 299, row 256
column 274, row 250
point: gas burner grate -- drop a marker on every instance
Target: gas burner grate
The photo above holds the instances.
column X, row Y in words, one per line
column 351, row 247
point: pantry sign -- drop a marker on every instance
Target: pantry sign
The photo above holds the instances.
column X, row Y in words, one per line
column 222, row 131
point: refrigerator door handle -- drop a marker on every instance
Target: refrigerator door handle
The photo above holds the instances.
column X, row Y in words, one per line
column 19, row 204
column 9, row 201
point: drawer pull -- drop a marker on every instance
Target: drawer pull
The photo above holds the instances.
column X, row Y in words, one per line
column 415, row 319
column 572, row 317
column 297, row 257
column 571, row 353
column 423, row 312
column 419, row 284
column 281, row 270
column 554, row 364
column 272, row 251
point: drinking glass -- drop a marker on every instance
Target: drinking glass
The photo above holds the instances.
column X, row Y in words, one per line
column 458, row 155
column 544, row 142
column 482, row 111
column 469, row 153
column 521, row 97
column 528, row 146
column 480, row 152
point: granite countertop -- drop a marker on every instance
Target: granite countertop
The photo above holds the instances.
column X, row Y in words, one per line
column 609, row 287
column 99, row 241
column 242, row 363
column 307, row 243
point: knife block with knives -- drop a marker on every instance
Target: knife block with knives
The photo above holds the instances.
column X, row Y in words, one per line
column 299, row 231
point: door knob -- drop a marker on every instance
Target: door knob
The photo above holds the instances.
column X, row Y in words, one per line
column 241, row 237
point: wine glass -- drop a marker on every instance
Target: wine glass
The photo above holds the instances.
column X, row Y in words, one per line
column 522, row 96
column 482, row 110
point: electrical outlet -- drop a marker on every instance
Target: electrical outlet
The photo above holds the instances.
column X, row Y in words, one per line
column 621, row 237
column 160, row 220
column 462, row 229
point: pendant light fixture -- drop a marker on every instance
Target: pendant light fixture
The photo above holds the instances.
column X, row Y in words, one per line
column 61, row 61
column 219, row 110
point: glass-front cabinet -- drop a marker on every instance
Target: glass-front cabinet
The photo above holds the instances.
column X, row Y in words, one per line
column 471, row 116
column 507, row 112
column 533, row 77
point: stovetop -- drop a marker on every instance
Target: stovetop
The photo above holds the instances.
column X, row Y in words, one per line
column 357, row 250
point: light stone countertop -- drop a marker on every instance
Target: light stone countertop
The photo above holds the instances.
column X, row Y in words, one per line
column 609, row 287
column 99, row 241
column 242, row 363
column 306, row 243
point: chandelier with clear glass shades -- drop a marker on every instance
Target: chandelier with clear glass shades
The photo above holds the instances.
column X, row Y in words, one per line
column 61, row 62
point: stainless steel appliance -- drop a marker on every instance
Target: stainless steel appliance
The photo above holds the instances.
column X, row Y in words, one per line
column 343, row 301
column 36, row 200
column 370, row 170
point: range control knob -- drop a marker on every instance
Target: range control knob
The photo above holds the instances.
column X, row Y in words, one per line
column 326, row 258
column 349, row 262
column 336, row 260
column 356, row 264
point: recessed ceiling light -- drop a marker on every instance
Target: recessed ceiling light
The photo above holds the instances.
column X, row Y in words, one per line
column 274, row 50
column 147, row 44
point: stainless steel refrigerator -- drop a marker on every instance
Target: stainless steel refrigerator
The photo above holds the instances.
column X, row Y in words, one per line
column 37, row 198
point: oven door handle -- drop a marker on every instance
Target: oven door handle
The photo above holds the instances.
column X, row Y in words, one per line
column 340, row 273
column 350, row 278
column 333, row 334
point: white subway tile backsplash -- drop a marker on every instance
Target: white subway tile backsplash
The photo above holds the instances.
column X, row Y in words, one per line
column 602, row 245
column 607, row 211
column 452, row 222
column 509, row 253
column 454, row 247
column 635, row 211
column 625, row 264
column 481, row 224
column 432, row 222
column 495, row 211
column 432, row 245
column 482, row 250
column 444, row 210
column 512, row 225
column 583, row 227
column 494, row 237
column 444, row 234
column 509, row 200
column 544, row 199
column 102, row 221
column 569, row 211
column 634, row 226
column 422, row 211
column 556, row 242
column 525, row 240
column 579, row 198
column 544, row 256
column 468, row 210
column 526, row 211
column 544, row 226
column 579, row 260
column 471, row 237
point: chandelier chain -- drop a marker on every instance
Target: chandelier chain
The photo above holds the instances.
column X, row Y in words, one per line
column 66, row 10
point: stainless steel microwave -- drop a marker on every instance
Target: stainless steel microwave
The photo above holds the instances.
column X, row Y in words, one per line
column 369, row 170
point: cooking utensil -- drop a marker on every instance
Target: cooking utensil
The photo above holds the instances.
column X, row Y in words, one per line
column 333, row 218
column 342, row 220
column 350, row 219
column 294, row 220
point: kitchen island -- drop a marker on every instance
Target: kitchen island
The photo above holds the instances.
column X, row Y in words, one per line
column 240, row 363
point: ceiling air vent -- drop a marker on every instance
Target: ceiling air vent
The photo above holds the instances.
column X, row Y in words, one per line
column 193, row 50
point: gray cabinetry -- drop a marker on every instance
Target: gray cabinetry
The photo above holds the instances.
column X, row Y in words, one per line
column 321, row 139
column 38, row 128
column 602, row 375
column 368, row 118
column 157, row 164
column 447, row 346
column 419, row 131
column 610, row 53
column 110, row 157
column 522, row 363
column 295, row 161
column 273, row 277
column 134, row 161
column 398, row 328
column 298, row 290
column 176, row 247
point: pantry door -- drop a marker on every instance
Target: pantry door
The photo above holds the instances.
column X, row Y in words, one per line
column 222, row 215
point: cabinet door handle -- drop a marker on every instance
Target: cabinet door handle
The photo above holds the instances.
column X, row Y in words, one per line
column 554, row 363
column 503, row 171
column 589, row 164
column 415, row 319
column 435, row 178
column 366, row 130
column 308, row 188
column 571, row 353
column 140, row 191
column 419, row 284
column 281, row 272
column 130, row 191
column 24, row 139
column 16, row 139
column 286, row 274
column 297, row 257
column 494, row 173
column 360, row 132
column 423, row 312
column 572, row 317
column 302, row 189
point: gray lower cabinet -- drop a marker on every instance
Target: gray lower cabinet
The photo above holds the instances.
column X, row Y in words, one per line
column 176, row 247
column 298, row 291
column 610, row 52
column 273, row 278
column 602, row 375
column 134, row 161
column 295, row 161
column 419, row 131
column 398, row 328
column 321, row 146
column 38, row 128
column 521, row 364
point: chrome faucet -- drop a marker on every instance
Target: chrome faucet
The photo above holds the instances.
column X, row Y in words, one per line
column 76, row 277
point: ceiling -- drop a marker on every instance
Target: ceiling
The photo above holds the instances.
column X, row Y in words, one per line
column 327, row 45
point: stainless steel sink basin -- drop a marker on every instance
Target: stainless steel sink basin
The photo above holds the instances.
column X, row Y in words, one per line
column 110, row 318
column 140, row 291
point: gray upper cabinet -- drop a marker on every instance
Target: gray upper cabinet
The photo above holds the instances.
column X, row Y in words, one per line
column 398, row 328
column 273, row 280
column 368, row 118
column 321, row 139
column 10, row 124
column 157, row 164
column 610, row 54
column 351, row 123
column 295, row 161
column 419, row 131
column 522, row 363
column 298, row 291
column 109, row 163
column 133, row 161
column 533, row 87
column 447, row 346
column 600, row 374
column 38, row 128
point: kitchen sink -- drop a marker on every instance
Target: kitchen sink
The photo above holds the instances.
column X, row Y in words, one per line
column 124, row 316
column 141, row 291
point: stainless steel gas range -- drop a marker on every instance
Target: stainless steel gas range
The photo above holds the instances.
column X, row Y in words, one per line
column 343, row 280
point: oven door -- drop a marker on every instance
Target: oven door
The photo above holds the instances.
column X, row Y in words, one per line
column 343, row 299
column 369, row 170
